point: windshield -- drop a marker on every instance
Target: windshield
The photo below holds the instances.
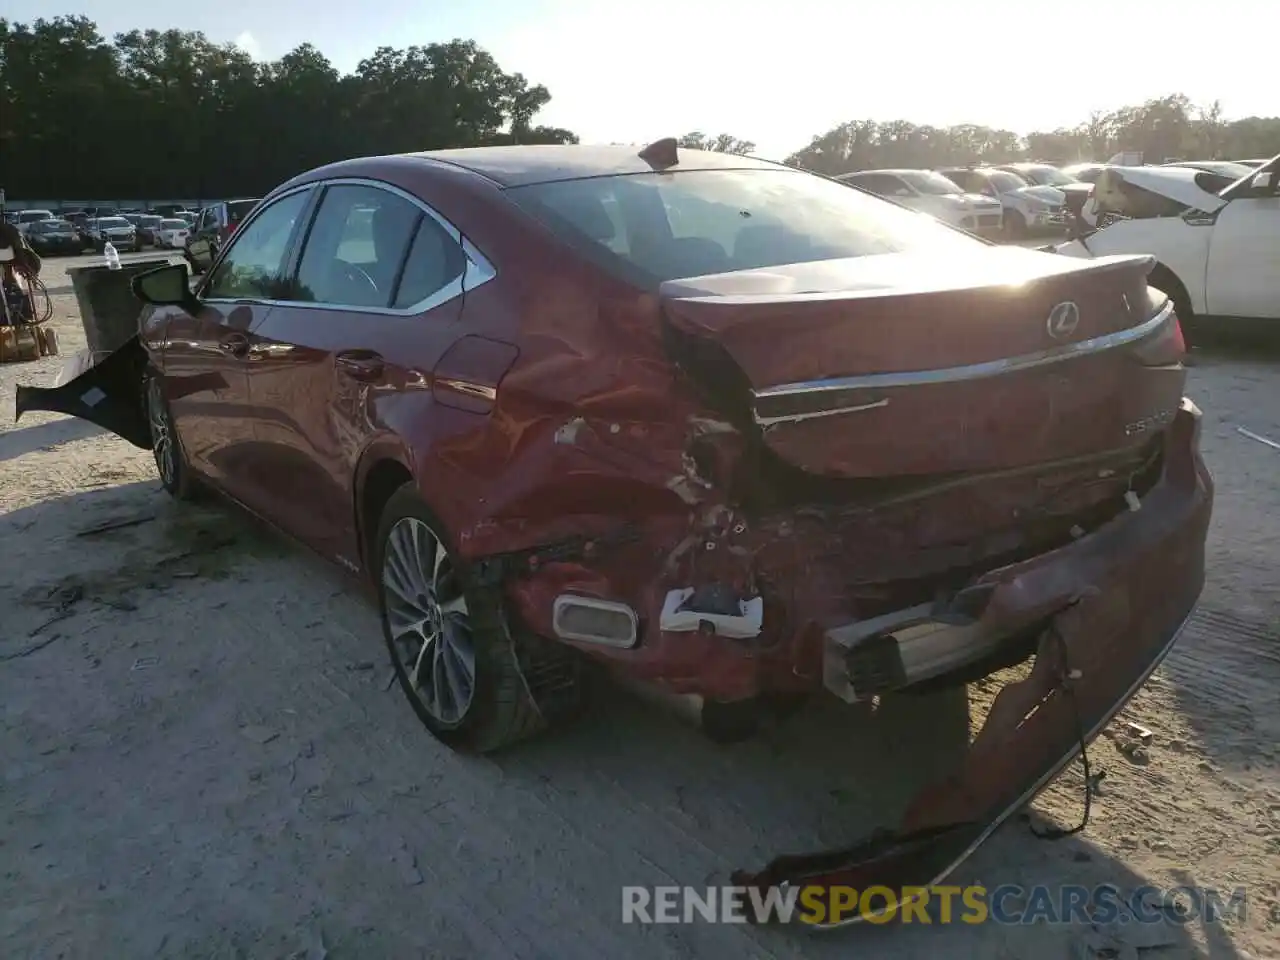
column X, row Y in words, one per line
column 51, row 226
column 1005, row 182
column 1045, row 176
column 173, row 224
column 113, row 222
column 149, row 221
column 31, row 216
column 654, row 227
column 926, row 181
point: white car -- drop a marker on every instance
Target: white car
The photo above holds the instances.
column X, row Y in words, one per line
column 172, row 233
column 933, row 194
column 1027, row 208
column 1141, row 192
column 1217, row 255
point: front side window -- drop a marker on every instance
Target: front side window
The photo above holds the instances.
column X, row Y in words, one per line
column 253, row 267
column 727, row 220
column 356, row 247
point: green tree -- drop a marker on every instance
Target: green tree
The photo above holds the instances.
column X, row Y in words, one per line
column 170, row 113
column 719, row 143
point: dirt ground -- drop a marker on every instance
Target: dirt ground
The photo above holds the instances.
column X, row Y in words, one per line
column 202, row 756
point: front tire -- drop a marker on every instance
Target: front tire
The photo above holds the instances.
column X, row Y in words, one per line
column 448, row 636
column 171, row 462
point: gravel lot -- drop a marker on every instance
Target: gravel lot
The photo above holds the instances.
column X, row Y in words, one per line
column 201, row 756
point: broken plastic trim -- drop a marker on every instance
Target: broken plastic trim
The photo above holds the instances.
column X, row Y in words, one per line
column 899, row 860
column 498, row 568
column 108, row 394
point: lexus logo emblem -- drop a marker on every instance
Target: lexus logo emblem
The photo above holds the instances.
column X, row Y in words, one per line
column 1063, row 320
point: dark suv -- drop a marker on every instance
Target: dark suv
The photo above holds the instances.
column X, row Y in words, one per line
column 214, row 225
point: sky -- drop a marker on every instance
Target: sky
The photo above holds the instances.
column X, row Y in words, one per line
column 777, row 72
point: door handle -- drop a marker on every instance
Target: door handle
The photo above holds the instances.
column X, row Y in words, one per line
column 237, row 344
column 360, row 364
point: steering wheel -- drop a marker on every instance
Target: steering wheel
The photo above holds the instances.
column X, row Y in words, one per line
column 358, row 276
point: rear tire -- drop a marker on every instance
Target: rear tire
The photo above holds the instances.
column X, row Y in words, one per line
column 166, row 448
column 449, row 636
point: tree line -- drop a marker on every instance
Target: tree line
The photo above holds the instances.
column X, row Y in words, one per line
column 1170, row 127
column 169, row 113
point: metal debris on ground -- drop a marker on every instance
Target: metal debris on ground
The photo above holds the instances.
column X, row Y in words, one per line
column 31, row 648
column 115, row 525
column 143, row 663
column 1139, row 732
column 1259, row 437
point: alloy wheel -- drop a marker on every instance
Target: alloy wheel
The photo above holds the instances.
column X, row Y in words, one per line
column 427, row 616
column 162, row 439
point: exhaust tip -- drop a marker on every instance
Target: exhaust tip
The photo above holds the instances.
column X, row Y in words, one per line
column 606, row 623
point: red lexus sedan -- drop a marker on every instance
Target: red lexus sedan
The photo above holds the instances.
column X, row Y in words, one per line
column 726, row 427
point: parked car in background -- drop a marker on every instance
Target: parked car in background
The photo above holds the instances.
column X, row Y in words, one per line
column 1075, row 192
column 1217, row 255
column 1087, row 172
column 187, row 215
column 1228, row 170
column 212, row 228
column 23, row 219
column 1003, row 473
column 147, row 225
column 171, row 233
column 1027, row 208
column 52, row 236
column 122, row 234
column 931, row 193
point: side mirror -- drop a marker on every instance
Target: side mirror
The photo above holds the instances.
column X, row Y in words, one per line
column 1264, row 184
column 166, row 286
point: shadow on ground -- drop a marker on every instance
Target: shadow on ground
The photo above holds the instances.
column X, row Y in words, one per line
column 261, row 781
column 40, row 436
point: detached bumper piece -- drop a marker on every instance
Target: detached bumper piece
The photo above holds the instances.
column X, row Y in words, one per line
column 1102, row 611
column 108, row 394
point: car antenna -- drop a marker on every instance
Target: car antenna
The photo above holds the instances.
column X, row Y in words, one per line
column 661, row 154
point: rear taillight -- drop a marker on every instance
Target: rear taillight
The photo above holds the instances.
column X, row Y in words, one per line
column 1166, row 346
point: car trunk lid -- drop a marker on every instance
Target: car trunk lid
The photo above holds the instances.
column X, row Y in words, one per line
column 904, row 364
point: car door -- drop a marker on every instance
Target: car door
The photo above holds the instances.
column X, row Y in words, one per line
column 377, row 297
column 1242, row 278
column 201, row 245
column 206, row 354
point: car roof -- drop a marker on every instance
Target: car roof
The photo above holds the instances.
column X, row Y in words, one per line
column 514, row 166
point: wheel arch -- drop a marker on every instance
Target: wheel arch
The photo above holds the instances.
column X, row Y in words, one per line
column 1165, row 279
column 384, row 467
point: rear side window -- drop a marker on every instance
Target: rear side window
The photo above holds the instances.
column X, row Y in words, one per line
column 654, row 227
column 435, row 261
column 357, row 246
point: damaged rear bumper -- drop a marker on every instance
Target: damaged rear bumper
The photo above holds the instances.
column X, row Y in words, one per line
column 1107, row 609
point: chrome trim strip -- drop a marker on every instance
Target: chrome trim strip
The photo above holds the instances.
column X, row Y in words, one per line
column 1053, row 771
column 767, row 422
column 975, row 371
column 477, row 271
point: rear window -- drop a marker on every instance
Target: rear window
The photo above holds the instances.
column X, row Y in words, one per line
column 173, row 224
column 113, row 222
column 31, row 216
column 654, row 227
column 237, row 210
